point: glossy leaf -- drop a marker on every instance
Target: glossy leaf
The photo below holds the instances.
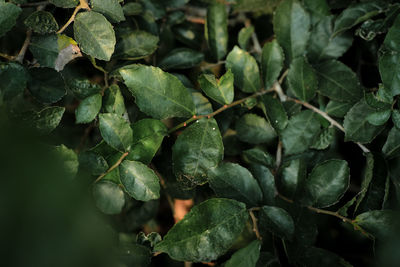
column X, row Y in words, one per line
column 217, row 30
column 277, row 221
column 116, row 131
column 46, row 85
column 253, row 129
column 41, row 22
column 46, row 120
column 181, row 58
column 13, row 79
column 245, row 257
column 8, row 17
column 139, row 180
column 113, row 100
column 293, row 175
column 266, row 181
column 214, row 226
column 291, row 27
column 244, row 36
column 219, row 90
column 109, row 197
column 380, row 223
column 271, row 62
column 233, row 181
column 275, row 112
column 245, row 70
column 198, row 149
column 302, row 79
column 94, row 34
column 88, row 109
column 327, row 183
column 158, row 94
column 136, row 45
column 109, row 8
column 256, row 155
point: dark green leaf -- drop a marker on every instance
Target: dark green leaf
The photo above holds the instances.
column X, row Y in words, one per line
column 277, row 221
column 46, row 85
column 266, row 181
column 68, row 160
column 139, row 180
column 256, row 155
column 318, row 9
column 275, row 112
column 13, row 79
column 109, row 8
column 323, row 139
column 213, row 225
column 338, row 109
column 198, row 149
column 293, row 175
column 379, row 117
column 116, row 131
column 253, row 129
column 181, row 58
column 367, row 178
column 94, row 163
column 271, row 62
column 109, row 197
column 219, row 90
column 45, row 49
column 202, row 105
column 302, row 79
column 380, row 223
column 135, row 255
column 245, row 70
column 8, row 17
column 41, row 22
column 217, row 30
column 244, row 36
column 132, row 9
column 298, row 136
column 94, row 34
column 316, row 257
column 233, row 181
column 291, row 27
column 158, row 94
column 245, row 257
column 113, row 100
column 136, row 45
column 65, row 3
column 88, row 109
column 47, row 119
column 327, row 183
column 391, row 148
column 396, row 118
column 338, row 82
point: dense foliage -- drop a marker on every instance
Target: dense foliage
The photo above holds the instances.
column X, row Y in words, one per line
column 277, row 120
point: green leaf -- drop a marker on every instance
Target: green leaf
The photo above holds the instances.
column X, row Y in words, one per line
column 266, row 181
column 356, row 125
column 13, row 79
column 302, row 79
column 46, row 85
column 65, row 3
column 202, row 105
column 291, row 27
column 256, row 155
column 88, row 109
column 245, row 257
column 318, row 10
column 116, row 131
column 79, row 84
column 356, row 14
column 316, row 257
column 139, row 180
column 217, row 30
column 45, row 49
column 389, row 59
column 253, row 129
column 367, row 178
column 8, row 17
column 94, row 34
column 293, row 175
column 327, row 183
column 181, row 58
column 92, row 162
column 338, row 109
column 323, row 46
column 275, row 112
column 109, row 197
column 136, row 45
column 68, row 160
column 41, row 22
column 391, row 148
column 233, row 181
column 379, row 117
column 219, row 90
column 380, row 223
column 132, row 254
column 46, row 120
column 113, row 100
column 298, row 136
column 158, row 94
column 198, row 149
column 338, row 82
column 132, row 9
column 109, row 8
column 396, row 118
column 245, row 70
column 278, row 221
column 213, row 225
column 148, row 135
column 244, row 36
column 323, row 139
column 271, row 62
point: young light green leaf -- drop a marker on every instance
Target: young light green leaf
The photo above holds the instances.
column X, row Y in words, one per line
column 298, row 136
column 13, row 79
column 356, row 125
column 46, row 85
column 181, row 58
column 219, row 90
column 338, row 82
column 139, row 180
column 291, row 27
column 148, row 135
column 244, row 36
column 41, row 22
column 391, row 148
column 256, row 155
column 217, row 30
column 46, row 120
column 271, row 62
column 245, row 257
column 233, row 181
column 327, row 183
column 302, row 79
column 245, row 70
column 198, row 149
column 214, row 226
column 253, row 129
column 380, row 223
column 266, row 181
column 116, row 131
column 158, row 94
column 136, row 45
column 8, row 17
column 108, row 197
column 113, row 100
column 94, row 34
column 278, row 221
column 109, row 8
column 88, row 109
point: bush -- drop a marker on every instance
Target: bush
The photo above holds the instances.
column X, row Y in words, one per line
column 277, row 121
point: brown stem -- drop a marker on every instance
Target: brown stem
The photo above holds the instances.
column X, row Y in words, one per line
column 112, row 167
column 25, row 46
column 255, row 226
column 7, row 56
column 82, row 5
column 278, row 155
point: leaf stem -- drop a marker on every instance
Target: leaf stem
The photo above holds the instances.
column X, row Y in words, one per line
column 8, row 57
column 112, row 167
column 24, row 47
column 255, row 226
column 82, row 5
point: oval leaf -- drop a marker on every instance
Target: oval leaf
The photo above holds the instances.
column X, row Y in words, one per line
column 88, row 109
column 253, row 129
column 272, row 62
column 109, row 197
column 278, row 221
column 116, row 131
column 217, row 30
column 245, row 257
column 219, row 90
column 302, row 79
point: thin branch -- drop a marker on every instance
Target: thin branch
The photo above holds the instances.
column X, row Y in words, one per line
column 25, row 46
column 278, row 160
column 257, row 46
column 112, row 167
column 212, row 65
column 8, row 57
column 255, row 226
column 82, row 5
